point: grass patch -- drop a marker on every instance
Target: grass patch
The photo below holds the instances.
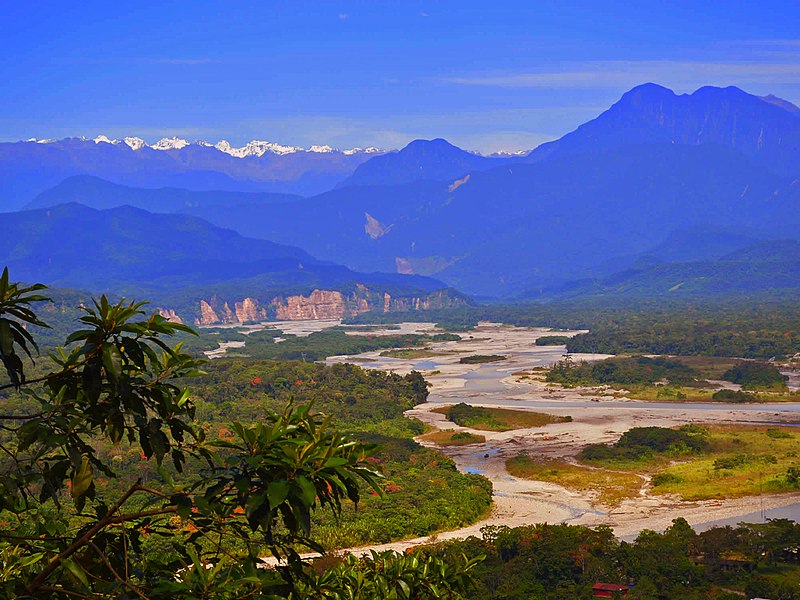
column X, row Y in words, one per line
column 497, row 419
column 481, row 358
column 672, row 393
column 708, row 367
column 741, row 461
column 444, row 437
column 552, row 340
column 411, row 353
column 732, row 461
column 612, row 487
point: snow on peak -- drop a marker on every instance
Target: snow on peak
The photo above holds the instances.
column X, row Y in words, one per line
column 38, row 141
column 101, row 139
column 321, row 149
column 255, row 148
column 204, row 144
column 508, row 153
column 369, row 150
column 135, row 143
column 173, row 143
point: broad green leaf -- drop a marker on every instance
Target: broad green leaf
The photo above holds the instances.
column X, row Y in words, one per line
column 6, row 337
column 75, row 570
column 112, row 360
column 277, row 491
column 82, row 479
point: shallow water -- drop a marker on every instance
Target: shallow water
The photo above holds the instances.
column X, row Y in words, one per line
column 786, row 512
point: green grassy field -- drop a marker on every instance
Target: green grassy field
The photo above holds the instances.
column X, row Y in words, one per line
column 612, row 487
column 741, row 461
column 670, row 393
column 446, row 437
column 737, row 461
column 497, row 419
column 412, row 353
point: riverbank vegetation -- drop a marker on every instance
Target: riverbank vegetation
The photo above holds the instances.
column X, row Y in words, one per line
column 741, row 328
column 698, row 463
column 448, row 437
column 412, row 353
column 497, row 419
column 477, row 359
column 694, row 462
column 669, row 379
column 563, row 562
column 610, row 487
column 552, row 340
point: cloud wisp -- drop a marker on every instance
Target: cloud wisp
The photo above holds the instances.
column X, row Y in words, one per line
column 615, row 74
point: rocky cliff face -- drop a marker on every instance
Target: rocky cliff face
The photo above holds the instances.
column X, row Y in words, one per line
column 319, row 304
column 170, row 315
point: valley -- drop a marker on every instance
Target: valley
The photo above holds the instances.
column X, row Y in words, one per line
column 400, row 301
column 596, row 418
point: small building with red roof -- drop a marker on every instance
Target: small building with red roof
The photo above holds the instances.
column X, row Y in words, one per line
column 609, row 590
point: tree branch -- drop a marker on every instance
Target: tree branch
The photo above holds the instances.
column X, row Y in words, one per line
column 125, row 583
column 80, row 542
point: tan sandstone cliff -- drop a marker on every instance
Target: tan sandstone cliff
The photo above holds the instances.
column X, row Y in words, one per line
column 319, row 304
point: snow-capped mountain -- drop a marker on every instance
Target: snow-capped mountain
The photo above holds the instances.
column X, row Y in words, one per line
column 173, row 143
column 252, row 148
column 29, row 167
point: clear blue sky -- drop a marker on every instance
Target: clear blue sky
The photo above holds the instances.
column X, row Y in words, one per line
column 485, row 75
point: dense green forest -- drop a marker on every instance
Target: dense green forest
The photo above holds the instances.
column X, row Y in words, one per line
column 424, row 492
column 757, row 328
column 622, row 371
column 563, row 562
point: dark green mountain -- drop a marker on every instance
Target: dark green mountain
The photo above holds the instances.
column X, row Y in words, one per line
column 101, row 194
column 435, row 160
column 772, row 267
column 177, row 260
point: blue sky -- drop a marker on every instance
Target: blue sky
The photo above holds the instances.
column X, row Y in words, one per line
column 485, row 75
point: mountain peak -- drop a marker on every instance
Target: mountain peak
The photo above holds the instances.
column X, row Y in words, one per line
column 432, row 160
column 173, row 143
column 652, row 114
column 780, row 102
column 135, row 143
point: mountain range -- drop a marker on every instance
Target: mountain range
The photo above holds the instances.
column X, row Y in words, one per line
column 29, row 168
column 181, row 262
column 658, row 178
column 772, row 267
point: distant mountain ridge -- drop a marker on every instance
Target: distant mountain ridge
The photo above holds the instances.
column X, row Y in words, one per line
column 767, row 129
column 180, row 261
column 432, row 160
column 596, row 202
column 100, row 194
column 771, row 266
column 29, row 168
column 252, row 148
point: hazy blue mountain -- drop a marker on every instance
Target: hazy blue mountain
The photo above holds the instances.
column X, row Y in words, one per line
column 130, row 249
column 29, row 168
column 593, row 203
column 767, row 129
column 763, row 267
column 101, row 194
column 691, row 243
column 435, row 160
column 522, row 226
